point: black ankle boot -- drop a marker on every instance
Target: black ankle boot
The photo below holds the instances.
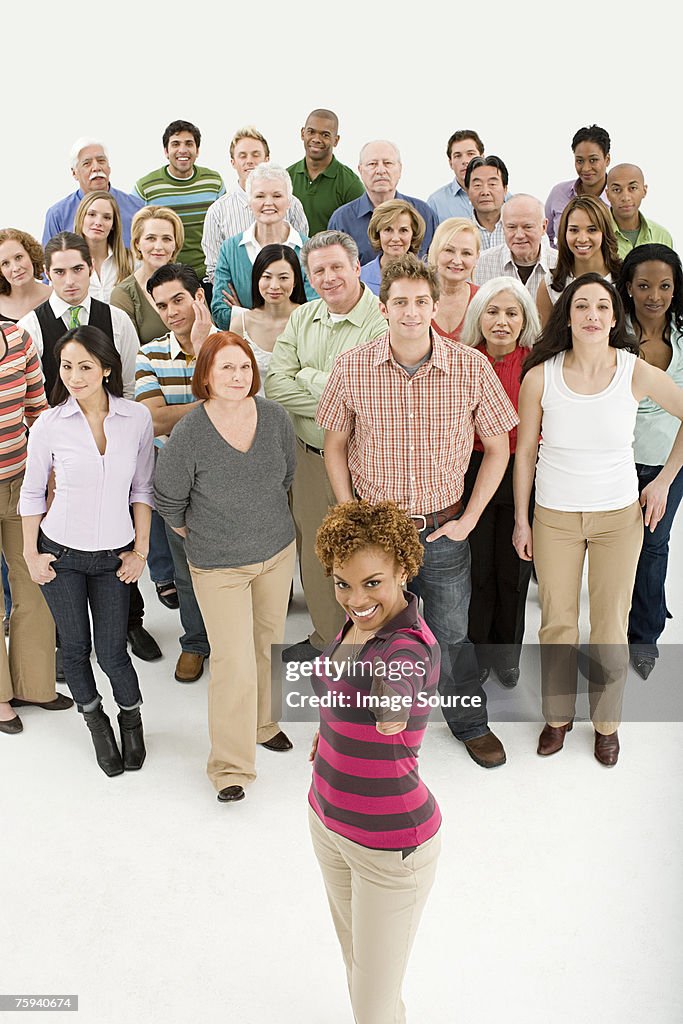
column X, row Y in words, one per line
column 132, row 739
column 104, row 741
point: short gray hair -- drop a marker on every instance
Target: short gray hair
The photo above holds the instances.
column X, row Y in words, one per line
column 471, row 331
column 79, row 145
column 524, row 195
column 268, row 171
column 324, row 239
column 383, row 142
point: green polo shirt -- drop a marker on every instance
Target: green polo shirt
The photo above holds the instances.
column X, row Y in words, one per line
column 649, row 232
column 333, row 187
column 305, row 352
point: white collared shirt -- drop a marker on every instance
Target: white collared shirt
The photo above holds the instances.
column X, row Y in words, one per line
column 126, row 341
column 253, row 247
column 498, row 262
column 101, row 285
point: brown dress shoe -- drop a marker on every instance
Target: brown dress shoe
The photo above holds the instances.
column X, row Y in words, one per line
column 189, row 667
column 280, row 741
column 607, row 748
column 12, row 726
column 487, row 751
column 552, row 738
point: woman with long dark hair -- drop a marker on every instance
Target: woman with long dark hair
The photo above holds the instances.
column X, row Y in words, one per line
column 581, row 386
column 651, row 287
column 85, row 549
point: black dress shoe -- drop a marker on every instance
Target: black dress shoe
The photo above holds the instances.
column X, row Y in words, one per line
column 60, row 703
column 508, row 677
column 303, row 651
column 143, row 645
column 106, row 751
column 167, row 594
column 278, row 742
column 484, row 673
column 132, row 739
column 643, row 664
column 230, row 794
column 13, row 726
column 59, row 671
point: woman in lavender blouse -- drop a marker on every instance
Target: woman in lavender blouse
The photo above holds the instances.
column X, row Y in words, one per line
column 84, row 550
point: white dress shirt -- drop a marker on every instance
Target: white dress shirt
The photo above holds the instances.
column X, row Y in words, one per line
column 253, row 247
column 126, row 340
column 101, row 285
column 231, row 215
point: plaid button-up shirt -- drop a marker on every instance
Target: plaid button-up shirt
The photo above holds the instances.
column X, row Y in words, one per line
column 411, row 436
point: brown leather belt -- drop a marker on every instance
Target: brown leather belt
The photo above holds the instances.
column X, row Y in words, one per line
column 437, row 519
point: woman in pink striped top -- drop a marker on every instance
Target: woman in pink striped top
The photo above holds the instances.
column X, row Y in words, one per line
column 374, row 823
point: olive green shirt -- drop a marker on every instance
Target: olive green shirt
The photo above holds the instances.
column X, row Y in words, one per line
column 305, row 352
column 320, row 197
column 649, row 231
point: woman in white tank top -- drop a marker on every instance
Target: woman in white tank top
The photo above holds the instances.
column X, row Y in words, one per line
column 580, row 391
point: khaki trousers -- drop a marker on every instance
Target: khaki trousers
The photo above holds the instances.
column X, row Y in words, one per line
column 561, row 540
column 376, row 898
column 312, row 497
column 244, row 611
column 29, row 672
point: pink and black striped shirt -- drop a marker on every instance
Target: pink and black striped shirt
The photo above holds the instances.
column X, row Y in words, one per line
column 22, row 397
column 366, row 786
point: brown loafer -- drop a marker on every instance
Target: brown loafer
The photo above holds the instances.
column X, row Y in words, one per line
column 60, row 703
column 12, row 726
column 487, row 751
column 278, row 742
column 189, row 667
column 552, row 738
column 607, row 748
column 230, row 794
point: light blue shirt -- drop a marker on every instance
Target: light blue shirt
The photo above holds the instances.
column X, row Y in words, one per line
column 451, row 201
column 62, row 215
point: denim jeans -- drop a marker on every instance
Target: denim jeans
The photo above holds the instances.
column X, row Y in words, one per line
column 648, row 607
column 444, row 585
column 159, row 559
column 87, row 580
column 194, row 639
column 5, row 588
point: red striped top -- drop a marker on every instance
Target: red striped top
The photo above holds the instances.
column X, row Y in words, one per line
column 22, row 397
column 366, row 786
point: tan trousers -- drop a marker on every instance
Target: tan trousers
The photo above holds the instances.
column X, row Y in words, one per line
column 29, row 672
column 244, row 611
column 376, row 899
column 312, row 496
column 561, row 540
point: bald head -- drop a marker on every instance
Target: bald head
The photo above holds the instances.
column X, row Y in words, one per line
column 626, row 190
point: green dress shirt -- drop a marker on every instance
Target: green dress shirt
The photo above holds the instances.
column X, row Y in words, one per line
column 305, row 352
column 649, row 232
column 333, row 187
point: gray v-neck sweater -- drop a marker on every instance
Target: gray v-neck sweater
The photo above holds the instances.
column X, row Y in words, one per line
column 234, row 504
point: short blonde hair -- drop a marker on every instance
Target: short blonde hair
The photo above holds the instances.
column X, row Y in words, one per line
column 446, row 231
column 386, row 213
column 156, row 213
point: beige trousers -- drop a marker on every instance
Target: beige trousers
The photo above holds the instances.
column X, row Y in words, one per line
column 561, row 540
column 376, row 898
column 244, row 611
column 312, row 496
column 29, row 672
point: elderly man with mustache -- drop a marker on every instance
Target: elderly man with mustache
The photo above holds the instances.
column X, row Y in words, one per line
column 89, row 163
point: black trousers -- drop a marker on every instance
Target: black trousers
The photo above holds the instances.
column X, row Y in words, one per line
column 500, row 578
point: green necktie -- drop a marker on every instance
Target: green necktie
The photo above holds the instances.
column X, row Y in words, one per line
column 73, row 316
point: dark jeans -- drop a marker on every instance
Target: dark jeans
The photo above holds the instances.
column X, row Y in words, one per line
column 159, row 559
column 500, row 578
column 443, row 583
column 648, row 608
column 194, row 639
column 5, row 588
column 87, row 580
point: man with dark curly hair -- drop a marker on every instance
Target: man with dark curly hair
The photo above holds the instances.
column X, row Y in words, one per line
column 399, row 415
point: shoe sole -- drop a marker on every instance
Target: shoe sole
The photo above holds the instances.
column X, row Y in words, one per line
column 486, row 764
column 188, row 679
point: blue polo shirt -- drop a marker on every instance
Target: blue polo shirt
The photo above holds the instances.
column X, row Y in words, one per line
column 354, row 218
column 62, row 215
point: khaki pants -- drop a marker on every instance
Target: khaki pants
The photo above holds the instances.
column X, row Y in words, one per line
column 29, row 672
column 244, row 611
column 613, row 541
column 376, row 898
column 312, row 497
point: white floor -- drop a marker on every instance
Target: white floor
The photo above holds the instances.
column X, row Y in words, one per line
column 558, row 896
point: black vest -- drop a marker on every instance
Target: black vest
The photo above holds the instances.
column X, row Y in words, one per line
column 52, row 328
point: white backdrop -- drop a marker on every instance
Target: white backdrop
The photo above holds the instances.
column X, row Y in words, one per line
column 525, row 76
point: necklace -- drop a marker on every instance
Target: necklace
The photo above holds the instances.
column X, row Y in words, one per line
column 354, row 641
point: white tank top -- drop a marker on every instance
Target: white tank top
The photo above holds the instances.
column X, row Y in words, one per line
column 585, row 461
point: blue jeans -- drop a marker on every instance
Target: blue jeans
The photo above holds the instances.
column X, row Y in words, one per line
column 444, row 584
column 5, row 588
column 159, row 559
column 194, row 640
column 648, row 607
column 87, row 580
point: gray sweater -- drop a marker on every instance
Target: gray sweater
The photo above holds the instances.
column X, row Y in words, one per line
column 234, row 504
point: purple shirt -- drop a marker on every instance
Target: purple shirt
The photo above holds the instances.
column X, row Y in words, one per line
column 556, row 202
column 90, row 511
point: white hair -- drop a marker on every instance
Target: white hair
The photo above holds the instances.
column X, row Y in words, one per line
column 525, row 195
column 80, row 145
column 381, row 142
column 268, row 171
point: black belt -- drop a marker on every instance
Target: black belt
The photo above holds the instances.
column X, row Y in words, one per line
column 310, row 448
